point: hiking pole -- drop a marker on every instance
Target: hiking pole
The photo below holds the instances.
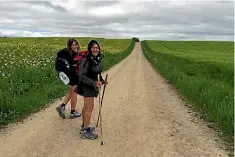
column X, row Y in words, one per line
column 100, row 114
column 106, row 78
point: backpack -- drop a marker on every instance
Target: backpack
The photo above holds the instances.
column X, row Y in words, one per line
column 78, row 57
column 65, row 70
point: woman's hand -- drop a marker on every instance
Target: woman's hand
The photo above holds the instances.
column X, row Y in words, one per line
column 98, row 83
column 105, row 82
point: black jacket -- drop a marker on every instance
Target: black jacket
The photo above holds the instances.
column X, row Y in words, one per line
column 89, row 70
column 63, row 58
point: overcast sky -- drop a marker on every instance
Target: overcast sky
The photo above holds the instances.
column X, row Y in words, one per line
column 165, row 19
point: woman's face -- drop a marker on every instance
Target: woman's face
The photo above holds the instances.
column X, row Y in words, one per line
column 95, row 50
column 74, row 47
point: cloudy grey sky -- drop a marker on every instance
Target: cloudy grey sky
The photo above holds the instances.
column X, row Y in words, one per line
column 165, row 19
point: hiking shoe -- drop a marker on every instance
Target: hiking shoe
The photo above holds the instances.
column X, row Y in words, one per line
column 87, row 134
column 92, row 129
column 74, row 115
column 61, row 111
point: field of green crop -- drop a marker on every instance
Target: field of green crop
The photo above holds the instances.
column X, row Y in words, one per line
column 28, row 80
column 203, row 72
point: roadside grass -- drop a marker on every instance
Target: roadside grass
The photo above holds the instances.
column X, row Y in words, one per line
column 203, row 72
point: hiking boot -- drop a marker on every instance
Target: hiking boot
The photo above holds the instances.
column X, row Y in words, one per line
column 74, row 115
column 61, row 111
column 88, row 134
column 92, row 129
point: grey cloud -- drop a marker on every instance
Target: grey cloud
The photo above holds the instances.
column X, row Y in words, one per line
column 150, row 19
column 47, row 4
column 100, row 3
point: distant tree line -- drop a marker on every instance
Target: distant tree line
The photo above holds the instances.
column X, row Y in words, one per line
column 136, row 39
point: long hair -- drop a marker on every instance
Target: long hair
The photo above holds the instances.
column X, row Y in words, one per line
column 69, row 44
column 89, row 46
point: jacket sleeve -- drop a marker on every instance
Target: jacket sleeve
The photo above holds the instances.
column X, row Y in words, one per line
column 83, row 70
column 62, row 54
column 62, row 59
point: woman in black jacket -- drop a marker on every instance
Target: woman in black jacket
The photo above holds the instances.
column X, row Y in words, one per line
column 89, row 68
column 66, row 71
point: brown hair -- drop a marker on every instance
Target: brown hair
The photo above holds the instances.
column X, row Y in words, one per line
column 69, row 44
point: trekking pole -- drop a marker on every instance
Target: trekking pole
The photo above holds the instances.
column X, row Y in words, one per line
column 100, row 114
column 106, row 78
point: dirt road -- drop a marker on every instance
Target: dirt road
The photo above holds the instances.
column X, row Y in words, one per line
column 142, row 117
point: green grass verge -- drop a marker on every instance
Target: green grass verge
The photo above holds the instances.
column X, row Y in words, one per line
column 201, row 74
